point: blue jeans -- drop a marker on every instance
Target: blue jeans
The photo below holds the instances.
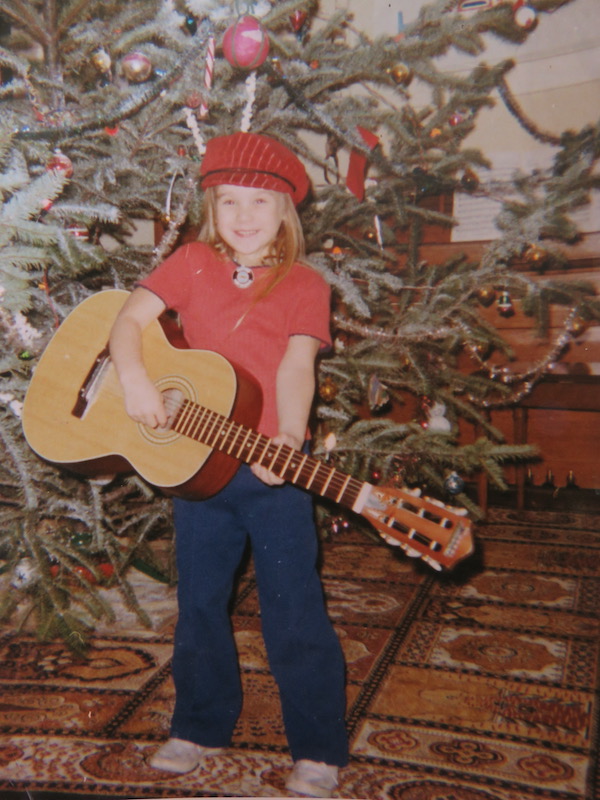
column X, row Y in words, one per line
column 303, row 650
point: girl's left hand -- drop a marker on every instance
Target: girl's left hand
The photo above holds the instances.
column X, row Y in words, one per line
column 270, row 478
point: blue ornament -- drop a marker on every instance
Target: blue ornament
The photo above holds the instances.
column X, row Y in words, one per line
column 454, row 484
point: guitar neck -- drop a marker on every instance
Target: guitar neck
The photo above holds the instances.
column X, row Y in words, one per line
column 221, row 433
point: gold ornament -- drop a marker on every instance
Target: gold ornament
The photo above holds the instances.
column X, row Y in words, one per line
column 101, row 61
column 328, row 390
column 400, row 74
column 535, row 255
column 577, row 326
column 137, row 67
column 486, row 295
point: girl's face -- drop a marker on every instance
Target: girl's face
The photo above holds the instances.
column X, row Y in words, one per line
column 248, row 220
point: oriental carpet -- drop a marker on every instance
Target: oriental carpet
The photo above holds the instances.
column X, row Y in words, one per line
column 478, row 685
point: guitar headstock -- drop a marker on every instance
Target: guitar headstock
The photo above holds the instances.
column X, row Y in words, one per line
column 424, row 528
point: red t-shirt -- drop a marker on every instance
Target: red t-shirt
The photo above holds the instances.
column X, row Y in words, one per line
column 217, row 315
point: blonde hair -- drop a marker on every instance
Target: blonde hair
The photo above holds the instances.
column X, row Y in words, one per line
column 286, row 248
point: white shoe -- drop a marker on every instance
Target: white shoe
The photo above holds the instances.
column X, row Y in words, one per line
column 313, row 778
column 180, row 756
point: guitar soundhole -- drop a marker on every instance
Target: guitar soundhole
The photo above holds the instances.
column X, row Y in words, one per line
column 174, row 391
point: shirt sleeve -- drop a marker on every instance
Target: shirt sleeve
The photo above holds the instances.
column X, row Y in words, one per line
column 310, row 312
column 171, row 279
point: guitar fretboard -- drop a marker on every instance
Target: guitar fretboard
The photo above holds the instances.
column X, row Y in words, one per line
column 221, row 433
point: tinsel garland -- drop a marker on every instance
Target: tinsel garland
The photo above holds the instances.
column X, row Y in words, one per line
column 517, row 112
column 528, row 378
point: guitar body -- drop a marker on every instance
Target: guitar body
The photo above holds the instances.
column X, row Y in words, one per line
column 93, row 435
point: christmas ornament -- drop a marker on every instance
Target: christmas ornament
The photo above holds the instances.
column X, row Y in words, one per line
column 456, row 118
column 191, row 24
column 535, row 255
column 136, row 67
column 298, row 19
column 469, row 180
column 357, row 166
column 454, row 484
column 400, row 73
column 328, row 390
column 101, row 61
column 524, row 16
column 379, row 397
column 246, row 43
column 111, row 131
column 437, row 422
column 60, row 163
column 78, row 231
column 25, row 574
column 486, row 295
column 208, row 75
column 505, row 306
column 576, row 326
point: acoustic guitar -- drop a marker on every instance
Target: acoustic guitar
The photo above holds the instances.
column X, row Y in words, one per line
column 74, row 416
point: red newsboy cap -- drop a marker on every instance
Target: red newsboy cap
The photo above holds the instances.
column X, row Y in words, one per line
column 250, row 159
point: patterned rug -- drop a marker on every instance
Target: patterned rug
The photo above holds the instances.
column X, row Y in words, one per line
column 481, row 685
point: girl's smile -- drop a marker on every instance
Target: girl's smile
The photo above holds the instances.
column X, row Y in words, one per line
column 248, row 220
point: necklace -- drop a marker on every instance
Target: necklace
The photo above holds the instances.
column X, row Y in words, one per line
column 242, row 276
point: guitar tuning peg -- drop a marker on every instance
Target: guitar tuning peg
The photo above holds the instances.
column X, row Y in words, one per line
column 432, row 563
column 436, row 502
column 411, row 552
column 391, row 540
column 461, row 512
column 416, row 492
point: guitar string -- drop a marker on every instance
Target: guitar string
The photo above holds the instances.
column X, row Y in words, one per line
column 198, row 416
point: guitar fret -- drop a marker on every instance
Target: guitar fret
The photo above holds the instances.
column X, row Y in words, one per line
column 238, row 430
column 286, row 463
column 253, row 448
column 239, row 453
column 327, row 482
column 300, row 467
column 202, row 435
column 343, row 489
column 314, row 473
column 275, row 457
column 216, row 433
column 195, row 423
column 265, row 450
column 185, row 417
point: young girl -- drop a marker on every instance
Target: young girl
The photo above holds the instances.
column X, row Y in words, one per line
column 242, row 291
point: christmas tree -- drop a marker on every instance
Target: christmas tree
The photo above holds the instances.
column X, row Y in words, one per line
column 106, row 108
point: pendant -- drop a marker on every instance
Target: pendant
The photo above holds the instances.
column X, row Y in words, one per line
column 243, row 277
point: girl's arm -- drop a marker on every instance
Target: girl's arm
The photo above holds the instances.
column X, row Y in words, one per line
column 143, row 401
column 295, row 393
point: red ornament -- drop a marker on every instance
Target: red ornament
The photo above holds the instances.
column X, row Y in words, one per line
column 60, row 163
column 111, row 131
column 246, row 43
column 298, row 19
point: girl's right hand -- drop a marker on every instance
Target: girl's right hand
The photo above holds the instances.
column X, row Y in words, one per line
column 144, row 403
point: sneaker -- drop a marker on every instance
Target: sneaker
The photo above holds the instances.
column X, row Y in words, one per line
column 180, row 756
column 313, row 778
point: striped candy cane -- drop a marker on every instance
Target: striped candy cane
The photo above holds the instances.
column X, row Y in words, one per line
column 208, row 74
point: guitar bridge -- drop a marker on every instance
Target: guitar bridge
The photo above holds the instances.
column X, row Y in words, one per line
column 89, row 387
